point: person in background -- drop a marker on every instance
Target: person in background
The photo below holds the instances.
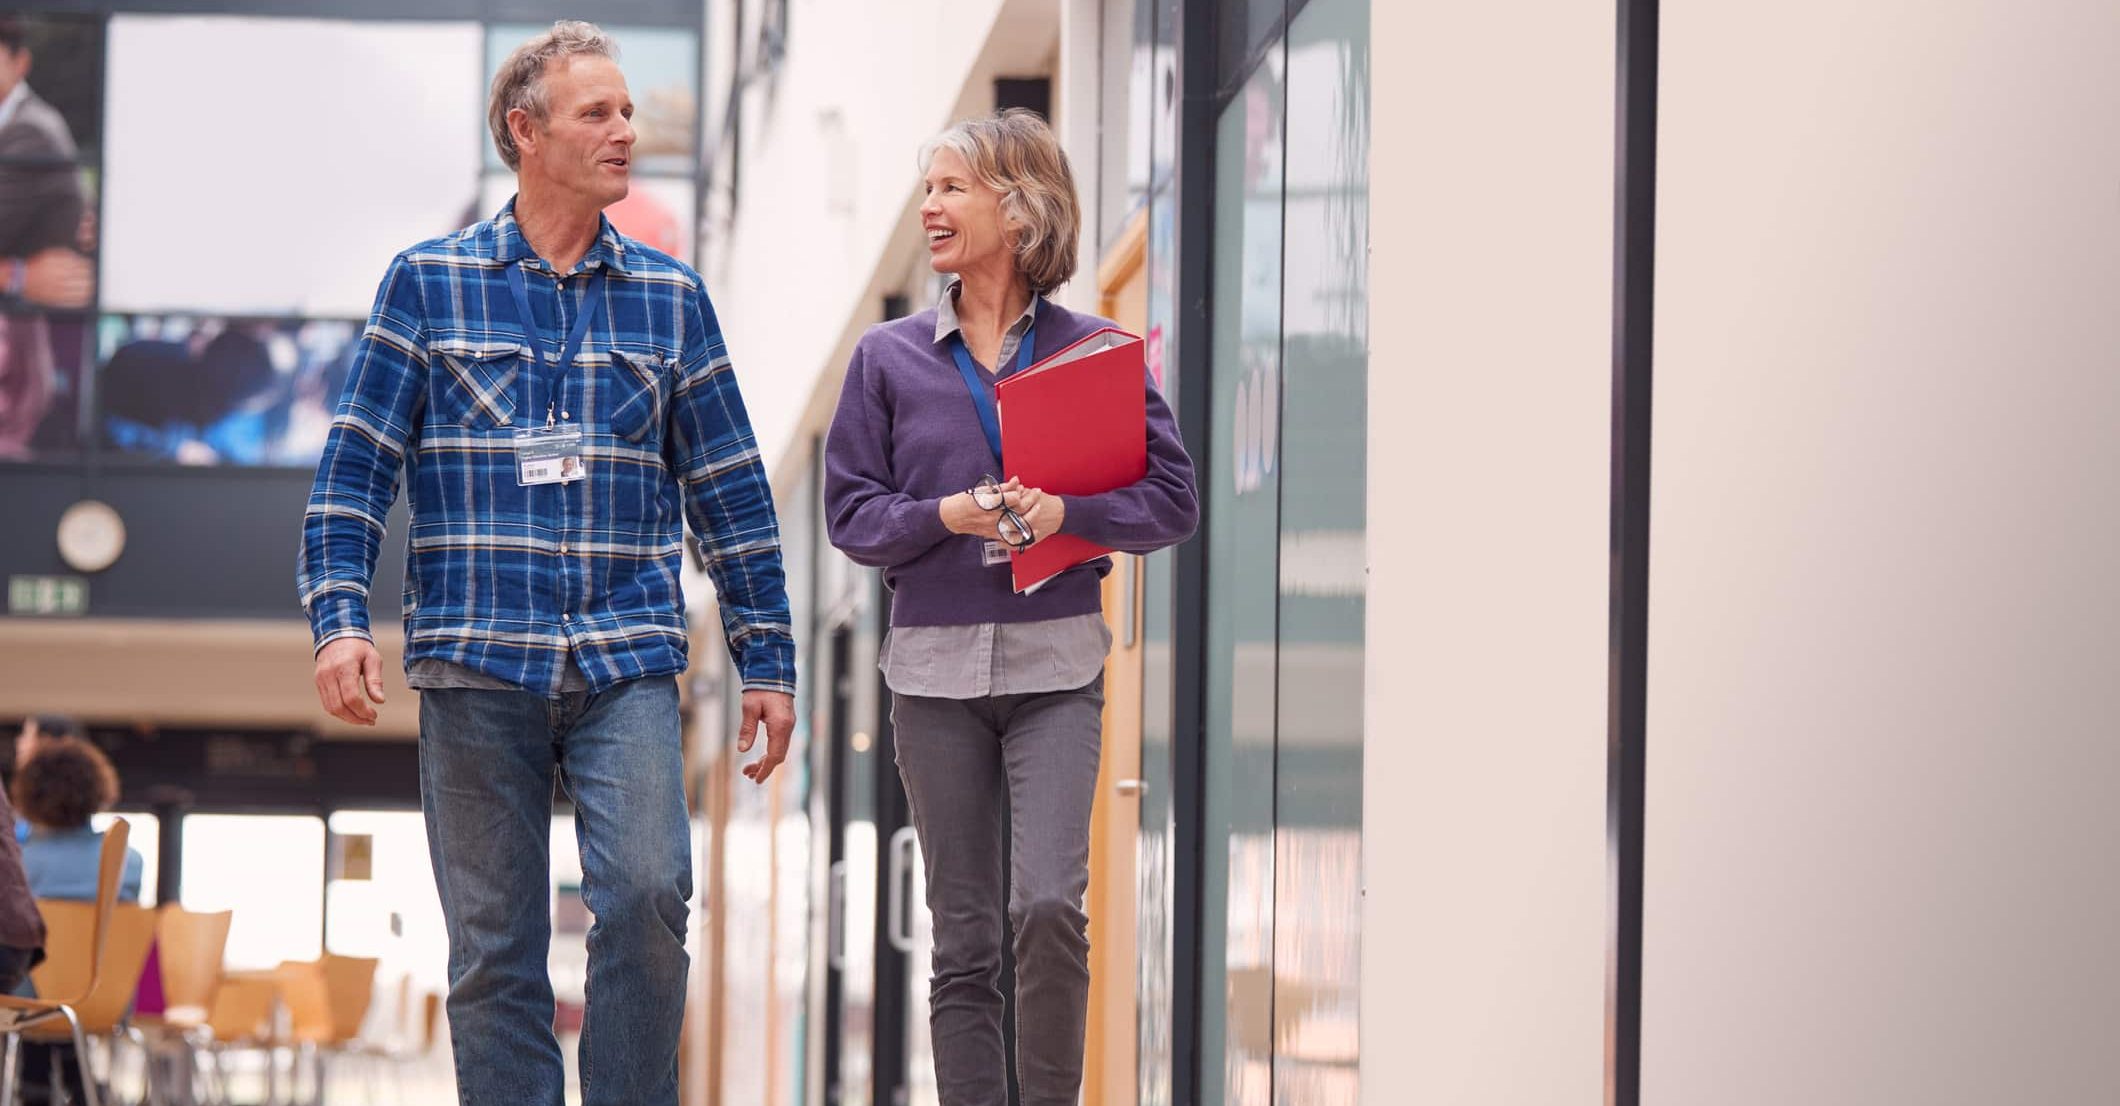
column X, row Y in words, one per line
column 36, row 732
column 60, row 785
column 58, row 789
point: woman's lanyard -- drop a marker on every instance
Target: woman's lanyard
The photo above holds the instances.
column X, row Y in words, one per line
column 982, row 397
column 592, row 304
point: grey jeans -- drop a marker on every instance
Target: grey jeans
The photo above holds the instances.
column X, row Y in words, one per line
column 958, row 758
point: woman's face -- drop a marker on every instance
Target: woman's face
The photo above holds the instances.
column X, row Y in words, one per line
column 962, row 220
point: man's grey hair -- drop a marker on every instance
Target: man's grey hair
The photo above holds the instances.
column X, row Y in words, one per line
column 520, row 81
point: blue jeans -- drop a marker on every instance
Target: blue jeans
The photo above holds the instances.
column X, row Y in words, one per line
column 487, row 761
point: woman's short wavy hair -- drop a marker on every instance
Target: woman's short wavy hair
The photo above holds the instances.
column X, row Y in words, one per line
column 1016, row 154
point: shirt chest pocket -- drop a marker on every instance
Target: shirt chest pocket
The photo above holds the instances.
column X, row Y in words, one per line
column 641, row 385
column 475, row 383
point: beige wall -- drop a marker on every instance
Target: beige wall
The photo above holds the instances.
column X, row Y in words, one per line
column 1483, row 948
column 1884, row 723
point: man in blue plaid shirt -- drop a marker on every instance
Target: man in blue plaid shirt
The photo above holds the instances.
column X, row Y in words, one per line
column 560, row 402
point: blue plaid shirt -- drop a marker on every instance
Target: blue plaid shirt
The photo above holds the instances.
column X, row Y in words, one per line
column 510, row 580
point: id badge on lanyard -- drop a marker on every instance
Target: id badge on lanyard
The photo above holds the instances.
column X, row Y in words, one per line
column 549, row 455
column 552, row 453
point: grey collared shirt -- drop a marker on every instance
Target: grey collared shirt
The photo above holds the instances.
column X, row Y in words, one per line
column 946, row 324
column 980, row 659
column 995, row 658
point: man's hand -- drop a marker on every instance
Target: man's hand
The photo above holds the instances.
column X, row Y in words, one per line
column 58, row 277
column 346, row 669
column 1043, row 512
column 777, row 710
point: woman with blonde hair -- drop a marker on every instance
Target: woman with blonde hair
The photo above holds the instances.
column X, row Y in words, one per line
column 995, row 697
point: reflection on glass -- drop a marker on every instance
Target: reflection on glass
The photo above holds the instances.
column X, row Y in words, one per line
column 1163, row 94
column 206, row 391
column 269, row 870
column 1243, row 520
column 1318, row 788
column 1123, row 155
column 662, row 73
column 367, row 144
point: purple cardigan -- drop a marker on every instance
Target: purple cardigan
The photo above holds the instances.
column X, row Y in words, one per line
column 906, row 435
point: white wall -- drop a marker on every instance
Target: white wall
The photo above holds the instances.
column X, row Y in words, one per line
column 1483, row 948
column 1885, row 627
column 830, row 181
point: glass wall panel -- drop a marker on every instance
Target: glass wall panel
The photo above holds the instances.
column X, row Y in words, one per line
column 269, row 870
column 1243, row 519
column 51, row 140
column 1325, row 343
column 1155, row 870
column 1242, row 29
column 1123, row 115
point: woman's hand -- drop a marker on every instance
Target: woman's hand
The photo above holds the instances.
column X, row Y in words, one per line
column 1043, row 512
column 961, row 514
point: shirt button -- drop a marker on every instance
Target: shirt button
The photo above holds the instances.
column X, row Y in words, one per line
column 562, row 550
column 568, row 617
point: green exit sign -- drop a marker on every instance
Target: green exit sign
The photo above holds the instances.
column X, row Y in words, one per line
column 65, row 595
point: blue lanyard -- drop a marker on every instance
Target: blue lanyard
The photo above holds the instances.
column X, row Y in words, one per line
column 983, row 397
column 592, row 303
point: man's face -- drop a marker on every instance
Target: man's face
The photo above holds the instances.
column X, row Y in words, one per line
column 586, row 143
column 14, row 69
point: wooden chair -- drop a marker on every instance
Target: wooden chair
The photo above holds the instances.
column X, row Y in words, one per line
column 327, row 1000
column 191, row 947
column 241, row 1019
column 94, row 953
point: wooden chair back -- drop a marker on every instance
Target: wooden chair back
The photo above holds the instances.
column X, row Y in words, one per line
column 110, row 974
column 77, row 942
column 193, row 945
column 327, row 999
column 242, row 1008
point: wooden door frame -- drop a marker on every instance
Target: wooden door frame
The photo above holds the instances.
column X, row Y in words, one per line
column 1111, row 1049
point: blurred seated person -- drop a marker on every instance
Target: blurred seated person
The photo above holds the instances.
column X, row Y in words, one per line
column 60, row 786
column 58, row 789
column 36, row 732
